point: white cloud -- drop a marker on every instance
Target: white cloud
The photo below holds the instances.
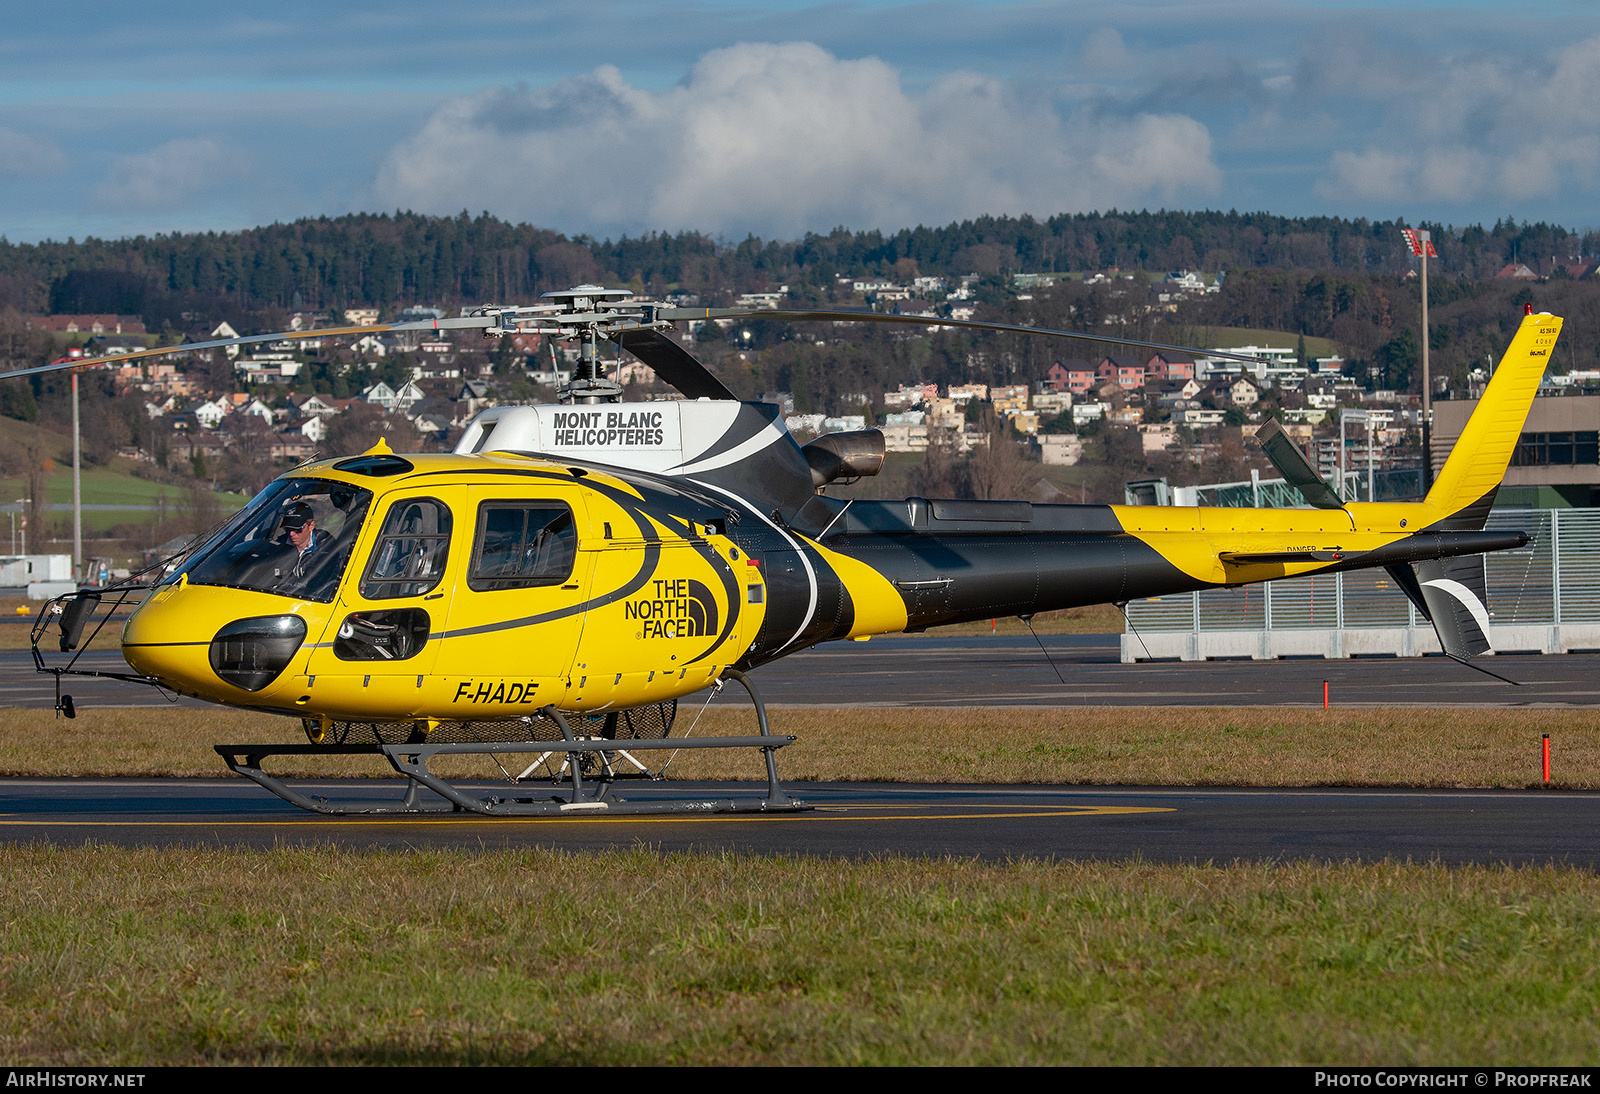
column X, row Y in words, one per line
column 1104, row 53
column 22, row 156
column 1466, row 129
column 779, row 139
column 166, row 177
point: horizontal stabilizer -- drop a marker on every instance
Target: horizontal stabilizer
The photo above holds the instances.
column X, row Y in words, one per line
column 1295, row 468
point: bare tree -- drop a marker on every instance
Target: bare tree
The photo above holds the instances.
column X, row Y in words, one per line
column 1000, row 470
column 939, row 475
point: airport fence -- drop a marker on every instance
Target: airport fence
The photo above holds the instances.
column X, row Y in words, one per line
column 1543, row 597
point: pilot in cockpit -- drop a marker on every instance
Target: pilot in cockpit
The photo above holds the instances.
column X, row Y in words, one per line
column 299, row 533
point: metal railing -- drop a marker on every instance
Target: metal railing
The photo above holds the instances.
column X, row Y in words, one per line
column 1392, row 484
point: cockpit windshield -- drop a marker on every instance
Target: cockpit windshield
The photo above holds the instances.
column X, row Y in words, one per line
column 294, row 539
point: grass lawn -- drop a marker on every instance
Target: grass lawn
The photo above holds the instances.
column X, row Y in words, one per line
column 1233, row 337
column 137, row 957
column 1167, row 746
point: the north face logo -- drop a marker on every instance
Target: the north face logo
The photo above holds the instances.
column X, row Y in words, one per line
column 677, row 608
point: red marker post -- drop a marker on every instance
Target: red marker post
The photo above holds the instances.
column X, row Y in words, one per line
column 1547, row 757
column 1324, row 695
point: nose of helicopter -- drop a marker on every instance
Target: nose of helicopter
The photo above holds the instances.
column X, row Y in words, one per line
column 160, row 642
column 212, row 643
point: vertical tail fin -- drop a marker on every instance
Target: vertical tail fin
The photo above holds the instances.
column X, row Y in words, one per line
column 1480, row 457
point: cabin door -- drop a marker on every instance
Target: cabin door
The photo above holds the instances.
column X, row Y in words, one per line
column 518, row 609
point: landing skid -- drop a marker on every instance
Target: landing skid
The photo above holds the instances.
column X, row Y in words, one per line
column 573, row 794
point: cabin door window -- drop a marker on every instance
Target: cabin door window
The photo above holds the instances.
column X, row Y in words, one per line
column 411, row 552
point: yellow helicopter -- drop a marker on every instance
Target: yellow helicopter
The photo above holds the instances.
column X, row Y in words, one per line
column 556, row 583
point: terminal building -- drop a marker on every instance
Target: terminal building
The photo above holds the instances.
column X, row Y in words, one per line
column 1557, row 462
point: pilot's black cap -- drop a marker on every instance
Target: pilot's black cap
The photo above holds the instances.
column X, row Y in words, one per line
column 297, row 516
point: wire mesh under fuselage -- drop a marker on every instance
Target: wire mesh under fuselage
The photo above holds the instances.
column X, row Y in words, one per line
column 634, row 724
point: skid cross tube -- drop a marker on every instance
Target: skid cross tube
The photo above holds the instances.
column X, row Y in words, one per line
column 411, row 760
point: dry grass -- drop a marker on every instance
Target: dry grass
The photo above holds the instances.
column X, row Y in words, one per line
column 14, row 636
column 136, row 957
column 1108, row 745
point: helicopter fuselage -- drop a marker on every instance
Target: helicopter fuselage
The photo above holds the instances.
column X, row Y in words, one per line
column 656, row 584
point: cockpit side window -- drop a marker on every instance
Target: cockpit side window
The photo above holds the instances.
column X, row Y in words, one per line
column 522, row 544
column 412, row 547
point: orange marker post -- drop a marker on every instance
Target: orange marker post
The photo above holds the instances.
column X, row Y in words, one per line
column 1324, row 695
column 1547, row 757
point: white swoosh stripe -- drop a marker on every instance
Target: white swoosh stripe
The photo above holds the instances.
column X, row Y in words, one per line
column 748, row 447
column 811, row 575
column 1468, row 598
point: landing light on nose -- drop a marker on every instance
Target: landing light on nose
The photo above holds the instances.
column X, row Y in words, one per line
column 250, row 653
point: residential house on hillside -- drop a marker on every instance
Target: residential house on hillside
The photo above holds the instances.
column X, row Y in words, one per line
column 905, row 436
column 1239, row 391
column 1059, row 449
column 1516, row 271
column 381, row 394
column 111, row 346
column 223, row 330
column 370, row 345
column 389, row 399
column 1052, row 402
column 317, row 406
column 1169, row 366
column 909, row 395
column 1009, row 398
column 313, row 428
column 209, row 414
column 288, row 444
column 435, row 417
column 1158, row 437
column 473, row 396
column 762, row 300
column 241, row 403
column 1127, row 372
column 1073, row 375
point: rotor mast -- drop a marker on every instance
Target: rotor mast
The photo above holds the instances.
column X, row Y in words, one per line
column 587, row 384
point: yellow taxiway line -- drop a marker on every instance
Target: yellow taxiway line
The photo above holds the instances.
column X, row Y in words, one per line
column 6, row 820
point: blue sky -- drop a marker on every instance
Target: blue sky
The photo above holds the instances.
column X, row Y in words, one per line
column 622, row 116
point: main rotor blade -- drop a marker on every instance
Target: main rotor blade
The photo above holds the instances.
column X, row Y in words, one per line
column 674, row 364
column 1296, row 469
column 476, row 321
column 845, row 316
